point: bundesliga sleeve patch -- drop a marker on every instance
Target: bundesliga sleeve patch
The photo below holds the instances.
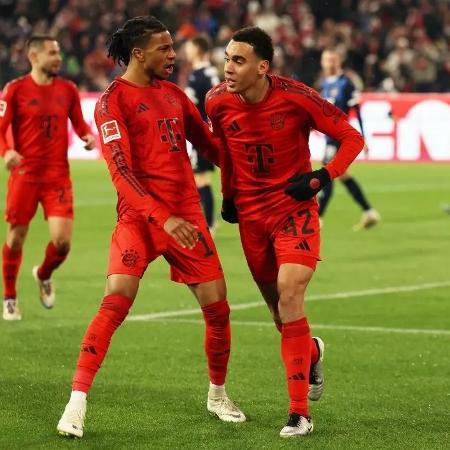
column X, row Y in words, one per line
column 3, row 106
column 110, row 131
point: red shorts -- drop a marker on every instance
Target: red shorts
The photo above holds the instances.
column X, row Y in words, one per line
column 136, row 243
column 292, row 237
column 24, row 197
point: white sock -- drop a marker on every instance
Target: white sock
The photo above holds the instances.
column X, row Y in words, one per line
column 76, row 396
column 216, row 391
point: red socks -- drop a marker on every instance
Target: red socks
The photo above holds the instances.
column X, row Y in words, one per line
column 53, row 259
column 112, row 312
column 11, row 264
column 217, row 339
column 296, row 353
column 314, row 348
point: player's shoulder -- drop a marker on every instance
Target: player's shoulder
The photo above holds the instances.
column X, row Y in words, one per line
column 293, row 89
column 15, row 84
column 217, row 93
column 110, row 94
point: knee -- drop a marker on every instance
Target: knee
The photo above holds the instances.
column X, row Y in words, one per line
column 62, row 246
column 117, row 307
column 15, row 243
column 292, row 290
column 217, row 314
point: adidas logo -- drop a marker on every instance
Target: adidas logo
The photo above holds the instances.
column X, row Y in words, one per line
column 298, row 376
column 142, row 107
column 303, row 245
column 234, row 126
column 90, row 349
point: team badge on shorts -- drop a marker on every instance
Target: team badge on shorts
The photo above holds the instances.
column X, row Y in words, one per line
column 3, row 106
column 110, row 131
column 130, row 258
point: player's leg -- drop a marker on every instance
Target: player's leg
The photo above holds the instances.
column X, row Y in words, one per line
column 21, row 206
column 57, row 202
column 203, row 182
column 128, row 260
column 297, row 247
column 295, row 345
column 201, row 271
column 12, row 259
column 211, row 297
column 56, row 252
column 370, row 216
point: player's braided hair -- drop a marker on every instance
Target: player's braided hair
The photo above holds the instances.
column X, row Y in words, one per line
column 258, row 39
column 135, row 33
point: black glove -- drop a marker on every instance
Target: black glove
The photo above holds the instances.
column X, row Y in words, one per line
column 307, row 185
column 229, row 211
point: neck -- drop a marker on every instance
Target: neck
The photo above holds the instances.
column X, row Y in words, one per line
column 257, row 92
column 40, row 77
column 136, row 76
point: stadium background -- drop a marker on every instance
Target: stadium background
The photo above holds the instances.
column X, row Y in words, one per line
column 384, row 295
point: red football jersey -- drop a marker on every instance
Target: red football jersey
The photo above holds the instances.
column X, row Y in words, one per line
column 143, row 132
column 38, row 115
column 267, row 142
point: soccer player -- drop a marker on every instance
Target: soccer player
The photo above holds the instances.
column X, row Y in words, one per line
column 143, row 122
column 269, row 188
column 339, row 89
column 203, row 77
column 37, row 107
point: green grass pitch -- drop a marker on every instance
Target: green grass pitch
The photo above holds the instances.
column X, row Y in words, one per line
column 380, row 300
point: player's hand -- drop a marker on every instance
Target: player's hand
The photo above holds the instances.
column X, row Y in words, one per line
column 229, row 212
column 184, row 233
column 90, row 141
column 307, row 185
column 12, row 159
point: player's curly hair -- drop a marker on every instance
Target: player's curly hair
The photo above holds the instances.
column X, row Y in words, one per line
column 134, row 33
column 258, row 39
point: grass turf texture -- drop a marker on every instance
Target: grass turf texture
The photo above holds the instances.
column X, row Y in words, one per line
column 384, row 389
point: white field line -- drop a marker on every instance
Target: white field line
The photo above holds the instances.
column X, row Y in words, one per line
column 318, row 326
column 311, row 298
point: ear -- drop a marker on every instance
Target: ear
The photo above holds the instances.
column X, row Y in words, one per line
column 138, row 53
column 263, row 67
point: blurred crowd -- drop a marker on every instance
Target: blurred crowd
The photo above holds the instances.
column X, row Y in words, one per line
column 389, row 45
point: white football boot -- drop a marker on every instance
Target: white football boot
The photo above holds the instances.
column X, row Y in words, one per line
column 316, row 379
column 11, row 309
column 46, row 290
column 220, row 405
column 369, row 219
column 297, row 425
column 72, row 421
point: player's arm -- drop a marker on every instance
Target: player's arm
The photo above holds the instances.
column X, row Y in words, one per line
column 117, row 153
column 331, row 121
column 354, row 98
column 228, row 210
column 76, row 117
column 11, row 157
column 199, row 135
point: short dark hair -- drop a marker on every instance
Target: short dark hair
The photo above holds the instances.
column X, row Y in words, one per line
column 135, row 32
column 202, row 43
column 37, row 40
column 258, row 39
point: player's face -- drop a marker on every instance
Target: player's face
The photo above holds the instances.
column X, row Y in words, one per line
column 47, row 58
column 243, row 68
column 331, row 63
column 158, row 56
column 190, row 50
